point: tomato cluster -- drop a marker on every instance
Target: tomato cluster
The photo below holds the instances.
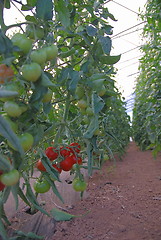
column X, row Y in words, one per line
column 65, row 157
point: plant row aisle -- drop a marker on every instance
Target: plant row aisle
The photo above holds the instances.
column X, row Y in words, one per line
column 59, row 107
column 147, row 110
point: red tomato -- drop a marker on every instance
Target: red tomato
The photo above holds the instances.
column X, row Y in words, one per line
column 65, row 152
column 75, row 147
column 40, row 166
column 57, row 168
column 79, row 160
column 2, row 186
column 67, row 163
column 51, row 154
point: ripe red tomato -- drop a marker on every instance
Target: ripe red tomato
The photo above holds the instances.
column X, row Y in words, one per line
column 65, row 152
column 57, row 168
column 68, row 162
column 2, row 186
column 75, row 147
column 79, row 160
column 6, row 73
column 79, row 185
column 40, row 166
column 51, row 153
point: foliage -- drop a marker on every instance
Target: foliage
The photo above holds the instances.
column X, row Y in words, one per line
column 62, row 48
column 147, row 115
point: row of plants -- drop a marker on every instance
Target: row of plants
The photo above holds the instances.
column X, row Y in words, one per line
column 147, row 114
column 59, row 107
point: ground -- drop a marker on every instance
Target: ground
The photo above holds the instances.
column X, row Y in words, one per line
column 123, row 201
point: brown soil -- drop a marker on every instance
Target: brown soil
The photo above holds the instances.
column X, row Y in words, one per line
column 124, row 202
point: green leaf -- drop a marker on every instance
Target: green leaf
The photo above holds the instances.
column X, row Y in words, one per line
column 59, row 215
column 93, row 126
column 3, row 232
column 22, row 196
column 97, row 103
column 74, row 78
column 54, row 188
column 91, row 30
column 63, row 13
column 44, row 9
column 29, row 235
column 6, row 132
column 110, row 60
column 14, row 190
column 5, row 93
column 45, row 81
column 4, row 163
column 106, row 44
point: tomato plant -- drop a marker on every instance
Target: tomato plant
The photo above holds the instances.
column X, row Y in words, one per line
column 61, row 66
column 41, row 186
column 6, row 73
column 10, row 178
column 79, row 185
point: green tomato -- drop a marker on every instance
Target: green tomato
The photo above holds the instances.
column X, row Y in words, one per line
column 41, row 186
column 38, row 56
column 79, row 185
column 31, row 72
column 82, row 104
column 21, row 41
column 34, row 32
column 26, row 140
column 12, row 124
column 105, row 157
column 80, row 92
column 48, row 96
column 51, row 52
column 10, row 178
column 12, row 109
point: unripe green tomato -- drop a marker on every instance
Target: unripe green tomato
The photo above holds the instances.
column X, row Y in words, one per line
column 82, row 104
column 38, row 56
column 31, row 72
column 51, row 52
column 21, row 41
column 12, row 109
column 41, row 186
column 48, row 96
column 78, row 185
column 26, row 140
column 23, row 107
column 12, row 124
column 10, row 178
column 80, row 92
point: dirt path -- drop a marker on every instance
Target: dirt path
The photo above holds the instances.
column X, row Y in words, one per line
column 124, row 202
